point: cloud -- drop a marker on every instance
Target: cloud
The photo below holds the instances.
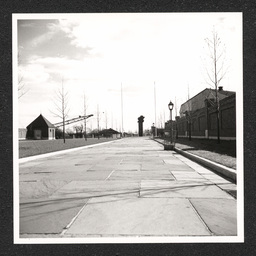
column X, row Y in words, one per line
column 52, row 29
column 96, row 53
column 25, row 24
column 50, row 39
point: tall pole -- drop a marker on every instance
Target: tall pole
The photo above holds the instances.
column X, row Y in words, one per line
column 176, row 114
column 122, row 107
column 85, row 136
column 171, row 124
column 112, row 126
column 98, row 120
column 155, row 108
column 189, row 117
column 63, row 109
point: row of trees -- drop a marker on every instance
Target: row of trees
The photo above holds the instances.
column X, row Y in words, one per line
column 62, row 111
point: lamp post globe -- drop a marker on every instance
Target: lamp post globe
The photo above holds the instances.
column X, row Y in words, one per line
column 170, row 105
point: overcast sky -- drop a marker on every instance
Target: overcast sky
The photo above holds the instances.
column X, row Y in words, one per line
column 95, row 53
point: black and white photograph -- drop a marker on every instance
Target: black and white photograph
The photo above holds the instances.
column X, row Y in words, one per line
column 128, row 128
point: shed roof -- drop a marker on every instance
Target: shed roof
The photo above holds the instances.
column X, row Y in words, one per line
column 40, row 121
column 109, row 131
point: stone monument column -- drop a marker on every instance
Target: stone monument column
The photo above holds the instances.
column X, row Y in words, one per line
column 140, row 121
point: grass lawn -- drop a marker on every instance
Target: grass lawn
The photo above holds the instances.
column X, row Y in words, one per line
column 37, row 147
column 223, row 153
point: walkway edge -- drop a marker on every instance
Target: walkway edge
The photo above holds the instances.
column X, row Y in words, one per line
column 31, row 158
column 225, row 171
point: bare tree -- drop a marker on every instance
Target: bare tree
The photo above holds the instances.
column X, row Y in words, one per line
column 216, row 69
column 106, row 119
column 21, row 85
column 78, row 129
column 98, row 119
column 160, row 120
column 98, row 116
column 61, row 104
column 85, row 113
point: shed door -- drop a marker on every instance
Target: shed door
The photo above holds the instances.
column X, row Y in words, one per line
column 37, row 134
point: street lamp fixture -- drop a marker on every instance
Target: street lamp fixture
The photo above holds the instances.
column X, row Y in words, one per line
column 170, row 106
column 168, row 144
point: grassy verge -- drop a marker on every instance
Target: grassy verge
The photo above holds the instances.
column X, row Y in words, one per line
column 37, row 147
column 223, row 153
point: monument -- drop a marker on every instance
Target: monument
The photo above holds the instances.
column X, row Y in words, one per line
column 140, row 121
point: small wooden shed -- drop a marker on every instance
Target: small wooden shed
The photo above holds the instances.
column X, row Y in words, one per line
column 110, row 133
column 41, row 129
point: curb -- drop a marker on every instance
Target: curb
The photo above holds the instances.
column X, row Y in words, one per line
column 31, row 158
column 218, row 168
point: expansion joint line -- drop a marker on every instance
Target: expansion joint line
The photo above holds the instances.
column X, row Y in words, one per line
column 139, row 188
column 200, row 218
column 110, row 175
column 73, row 220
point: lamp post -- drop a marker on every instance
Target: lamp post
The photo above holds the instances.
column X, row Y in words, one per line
column 170, row 106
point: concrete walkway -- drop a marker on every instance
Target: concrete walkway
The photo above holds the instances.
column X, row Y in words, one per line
column 130, row 187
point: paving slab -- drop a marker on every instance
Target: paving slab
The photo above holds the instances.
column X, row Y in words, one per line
column 154, row 165
column 39, row 188
column 173, row 161
column 138, row 217
column 229, row 188
column 181, row 175
column 89, row 189
column 139, row 175
column 78, row 175
column 216, row 179
column 184, row 189
column 48, row 216
column 179, row 167
column 103, row 167
column 218, row 214
column 202, row 170
column 128, row 167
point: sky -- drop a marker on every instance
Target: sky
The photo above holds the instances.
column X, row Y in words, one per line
column 153, row 57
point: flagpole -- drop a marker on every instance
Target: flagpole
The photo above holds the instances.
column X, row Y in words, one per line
column 122, row 107
column 155, row 107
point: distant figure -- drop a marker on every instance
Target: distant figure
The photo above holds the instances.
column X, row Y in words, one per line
column 140, row 121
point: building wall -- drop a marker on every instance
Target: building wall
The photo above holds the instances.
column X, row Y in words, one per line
column 204, row 121
column 198, row 101
column 51, row 132
column 22, row 133
column 45, row 133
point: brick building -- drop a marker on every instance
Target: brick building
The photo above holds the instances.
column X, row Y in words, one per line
column 198, row 116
